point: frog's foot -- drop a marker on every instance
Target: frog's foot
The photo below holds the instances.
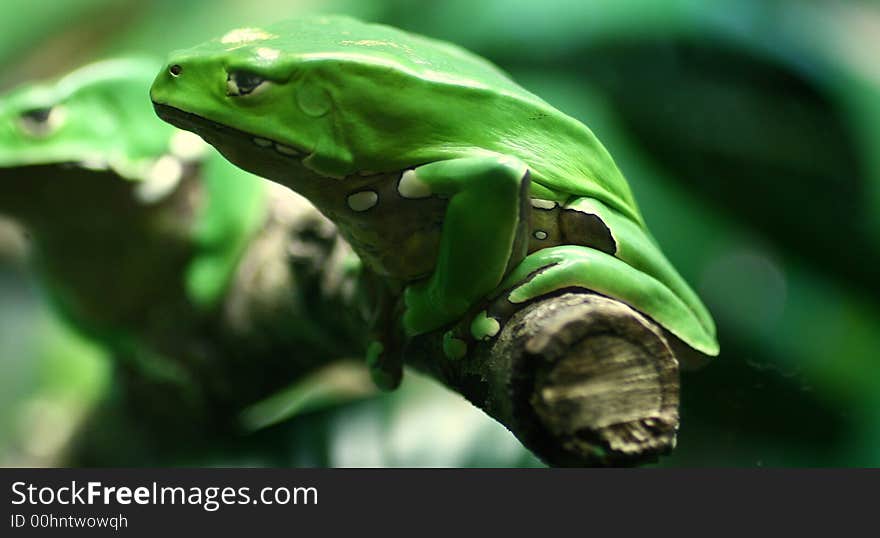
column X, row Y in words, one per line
column 484, row 326
column 424, row 309
column 480, row 327
column 484, row 235
column 454, row 347
column 386, row 367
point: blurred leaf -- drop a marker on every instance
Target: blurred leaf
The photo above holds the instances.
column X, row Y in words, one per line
column 335, row 384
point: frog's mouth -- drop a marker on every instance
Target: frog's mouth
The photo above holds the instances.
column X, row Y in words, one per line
column 212, row 131
column 10, row 172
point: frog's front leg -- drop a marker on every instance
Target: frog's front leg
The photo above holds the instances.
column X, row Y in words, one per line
column 484, row 234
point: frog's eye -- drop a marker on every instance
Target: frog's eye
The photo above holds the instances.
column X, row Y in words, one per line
column 40, row 122
column 240, row 83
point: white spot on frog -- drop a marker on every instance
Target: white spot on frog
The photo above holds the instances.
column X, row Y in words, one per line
column 286, row 150
column 267, row 54
column 187, row 146
column 540, row 235
column 537, row 203
column 161, row 180
column 241, row 36
column 262, row 142
column 95, row 164
column 585, row 205
column 411, row 186
column 362, row 201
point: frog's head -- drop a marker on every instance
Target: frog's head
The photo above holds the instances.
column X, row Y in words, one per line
column 332, row 94
column 243, row 101
column 96, row 117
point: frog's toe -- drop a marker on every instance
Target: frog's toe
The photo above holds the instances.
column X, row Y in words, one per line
column 415, row 321
column 384, row 378
column 418, row 317
column 454, row 347
column 425, row 312
column 386, row 373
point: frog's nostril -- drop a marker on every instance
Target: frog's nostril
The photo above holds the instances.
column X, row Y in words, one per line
column 175, row 70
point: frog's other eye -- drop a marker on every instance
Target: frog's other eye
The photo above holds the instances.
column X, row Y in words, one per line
column 40, row 122
column 175, row 70
column 239, row 83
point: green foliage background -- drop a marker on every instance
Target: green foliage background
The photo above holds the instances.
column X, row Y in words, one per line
column 748, row 129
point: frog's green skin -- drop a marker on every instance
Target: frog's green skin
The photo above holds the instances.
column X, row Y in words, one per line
column 84, row 156
column 394, row 136
column 138, row 231
column 136, row 227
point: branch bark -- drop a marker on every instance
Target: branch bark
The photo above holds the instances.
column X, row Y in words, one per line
column 579, row 378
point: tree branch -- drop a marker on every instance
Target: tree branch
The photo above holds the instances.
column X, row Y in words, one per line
column 579, row 378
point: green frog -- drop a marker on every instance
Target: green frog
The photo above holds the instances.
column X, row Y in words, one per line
column 191, row 272
column 453, row 184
